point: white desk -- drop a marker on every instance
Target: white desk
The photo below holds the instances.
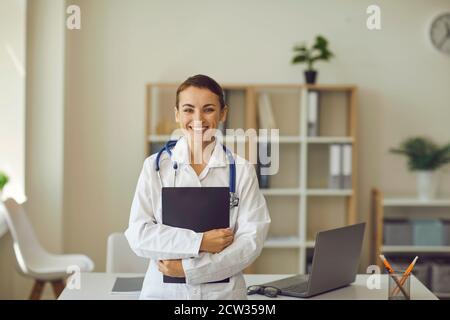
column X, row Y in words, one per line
column 96, row 286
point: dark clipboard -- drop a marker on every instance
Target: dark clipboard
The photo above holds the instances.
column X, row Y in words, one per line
column 196, row 208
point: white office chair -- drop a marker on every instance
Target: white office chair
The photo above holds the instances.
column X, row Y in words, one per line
column 121, row 259
column 33, row 260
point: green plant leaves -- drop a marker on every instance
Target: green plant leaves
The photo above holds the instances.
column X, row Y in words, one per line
column 299, row 59
column 423, row 154
column 319, row 51
column 3, row 180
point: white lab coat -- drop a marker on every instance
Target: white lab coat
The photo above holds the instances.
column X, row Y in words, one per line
column 149, row 238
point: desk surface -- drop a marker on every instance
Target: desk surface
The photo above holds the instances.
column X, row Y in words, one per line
column 97, row 286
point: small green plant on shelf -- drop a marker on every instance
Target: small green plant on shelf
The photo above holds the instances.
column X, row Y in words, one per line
column 423, row 154
column 424, row 158
column 3, row 180
column 309, row 55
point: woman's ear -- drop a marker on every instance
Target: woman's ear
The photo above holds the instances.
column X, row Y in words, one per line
column 177, row 114
column 223, row 114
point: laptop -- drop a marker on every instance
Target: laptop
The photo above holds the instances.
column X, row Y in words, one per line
column 335, row 263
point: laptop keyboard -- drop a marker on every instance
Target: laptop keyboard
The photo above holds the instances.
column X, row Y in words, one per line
column 298, row 287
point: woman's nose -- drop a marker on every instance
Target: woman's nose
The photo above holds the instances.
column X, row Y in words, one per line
column 198, row 116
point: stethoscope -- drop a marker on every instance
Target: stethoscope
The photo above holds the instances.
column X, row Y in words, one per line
column 234, row 199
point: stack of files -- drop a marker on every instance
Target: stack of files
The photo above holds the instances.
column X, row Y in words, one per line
column 340, row 166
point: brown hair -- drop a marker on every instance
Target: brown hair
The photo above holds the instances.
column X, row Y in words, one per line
column 203, row 82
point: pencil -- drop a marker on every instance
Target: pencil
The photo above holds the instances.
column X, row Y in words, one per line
column 392, row 274
column 407, row 272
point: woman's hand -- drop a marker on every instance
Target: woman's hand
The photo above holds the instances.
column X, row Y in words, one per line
column 171, row 268
column 216, row 240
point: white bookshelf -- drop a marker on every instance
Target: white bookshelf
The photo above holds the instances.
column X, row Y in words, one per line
column 404, row 207
column 303, row 192
column 282, row 242
column 409, row 207
column 293, row 199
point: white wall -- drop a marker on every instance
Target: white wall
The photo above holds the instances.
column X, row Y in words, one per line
column 403, row 86
column 44, row 135
column 12, row 121
column 12, row 94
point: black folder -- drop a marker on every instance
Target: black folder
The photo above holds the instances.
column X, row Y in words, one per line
column 196, row 208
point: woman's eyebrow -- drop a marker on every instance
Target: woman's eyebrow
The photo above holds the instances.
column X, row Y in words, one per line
column 191, row 106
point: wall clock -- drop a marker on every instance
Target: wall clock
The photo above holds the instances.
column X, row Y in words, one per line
column 440, row 33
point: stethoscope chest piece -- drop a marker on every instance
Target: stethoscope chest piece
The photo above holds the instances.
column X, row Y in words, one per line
column 234, row 200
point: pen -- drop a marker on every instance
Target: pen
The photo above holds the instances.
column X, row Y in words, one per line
column 407, row 272
column 392, row 274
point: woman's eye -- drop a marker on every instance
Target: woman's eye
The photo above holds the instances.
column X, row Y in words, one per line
column 209, row 110
column 188, row 110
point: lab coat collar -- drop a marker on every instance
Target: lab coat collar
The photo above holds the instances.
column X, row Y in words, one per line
column 180, row 154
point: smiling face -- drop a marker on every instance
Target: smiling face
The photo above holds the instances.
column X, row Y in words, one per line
column 199, row 112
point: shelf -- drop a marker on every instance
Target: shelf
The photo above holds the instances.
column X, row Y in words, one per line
column 330, row 87
column 309, row 192
column 415, row 249
column 281, row 192
column 282, row 242
column 329, row 140
column 329, row 192
column 310, row 244
column 415, row 202
column 290, row 139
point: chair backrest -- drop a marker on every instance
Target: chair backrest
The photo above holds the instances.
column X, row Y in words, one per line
column 26, row 245
column 121, row 259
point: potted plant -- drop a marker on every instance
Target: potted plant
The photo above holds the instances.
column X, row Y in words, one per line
column 304, row 54
column 3, row 181
column 424, row 158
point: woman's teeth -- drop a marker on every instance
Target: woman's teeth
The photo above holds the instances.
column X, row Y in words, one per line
column 198, row 129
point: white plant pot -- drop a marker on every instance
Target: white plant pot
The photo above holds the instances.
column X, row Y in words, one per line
column 427, row 184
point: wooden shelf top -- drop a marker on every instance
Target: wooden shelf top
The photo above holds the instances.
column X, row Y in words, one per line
column 243, row 86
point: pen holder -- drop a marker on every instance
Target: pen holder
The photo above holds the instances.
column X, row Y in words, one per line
column 399, row 286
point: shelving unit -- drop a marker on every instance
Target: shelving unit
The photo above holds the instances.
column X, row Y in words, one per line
column 379, row 206
column 407, row 207
column 299, row 200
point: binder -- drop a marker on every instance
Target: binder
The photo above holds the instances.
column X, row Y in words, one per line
column 347, row 166
column 313, row 113
column 263, row 179
column 335, row 167
column 265, row 112
column 196, row 208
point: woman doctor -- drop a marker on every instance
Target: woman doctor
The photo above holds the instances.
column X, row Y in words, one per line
column 199, row 257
